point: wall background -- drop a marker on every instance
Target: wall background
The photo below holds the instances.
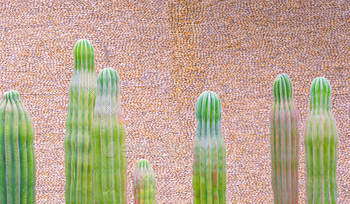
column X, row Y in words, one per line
column 167, row 53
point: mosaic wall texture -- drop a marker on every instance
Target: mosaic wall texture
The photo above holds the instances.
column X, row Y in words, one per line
column 167, row 53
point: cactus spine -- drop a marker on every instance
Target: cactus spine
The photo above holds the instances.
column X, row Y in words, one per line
column 209, row 167
column 78, row 160
column 321, row 140
column 284, row 142
column 17, row 159
column 144, row 183
column 109, row 141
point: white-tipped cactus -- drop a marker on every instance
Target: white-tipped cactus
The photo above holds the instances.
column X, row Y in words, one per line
column 144, row 183
column 321, row 141
column 209, row 167
column 78, row 159
column 110, row 164
column 17, row 159
column 284, row 142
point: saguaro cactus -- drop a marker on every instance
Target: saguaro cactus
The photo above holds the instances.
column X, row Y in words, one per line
column 109, row 141
column 144, row 183
column 321, row 140
column 17, row 159
column 284, row 142
column 209, row 167
column 78, row 160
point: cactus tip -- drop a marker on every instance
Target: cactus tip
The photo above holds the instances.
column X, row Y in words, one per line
column 142, row 163
column 81, row 43
column 320, row 93
column 320, row 83
column 108, row 74
column 12, row 94
column 83, row 54
column 282, row 89
column 208, row 106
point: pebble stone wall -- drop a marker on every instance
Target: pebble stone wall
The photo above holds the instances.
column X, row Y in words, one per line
column 167, row 53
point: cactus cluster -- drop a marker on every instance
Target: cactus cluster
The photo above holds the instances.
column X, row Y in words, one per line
column 321, row 140
column 95, row 160
column 108, row 137
column 284, row 142
column 320, row 144
column 144, row 183
column 17, row 159
column 209, row 167
column 78, row 146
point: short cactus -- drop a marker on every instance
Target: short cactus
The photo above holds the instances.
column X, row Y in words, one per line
column 17, row 159
column 110, row 164
column 284, row 142
column 209, row 167
column 321, row 140
column 144, row 183
column 78, row 159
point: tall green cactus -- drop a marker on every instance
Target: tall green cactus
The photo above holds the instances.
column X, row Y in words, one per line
column 17, row 159
column 321, row 141
column 108, row 136
column 78, row 160
column 284, row 142
column 144, row 183
column 209, row 166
